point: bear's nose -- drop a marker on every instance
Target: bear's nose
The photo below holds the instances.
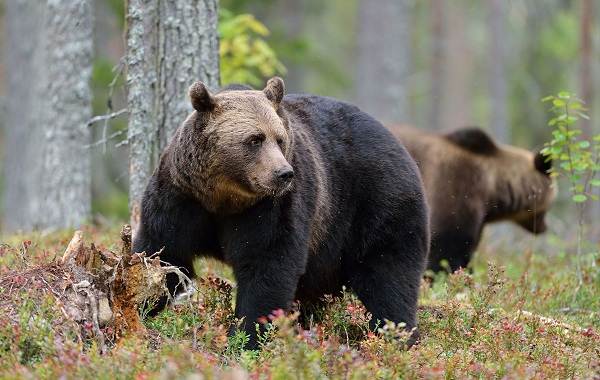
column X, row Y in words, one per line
column 284, row 175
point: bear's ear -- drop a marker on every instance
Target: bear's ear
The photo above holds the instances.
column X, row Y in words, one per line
column 274, row 90
column 202, row 100
column 474, row 140
column 542, row 163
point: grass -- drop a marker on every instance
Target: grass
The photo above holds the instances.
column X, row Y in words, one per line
column 518, row 315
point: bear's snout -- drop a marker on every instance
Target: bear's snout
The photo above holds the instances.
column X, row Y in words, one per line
column 283, row 176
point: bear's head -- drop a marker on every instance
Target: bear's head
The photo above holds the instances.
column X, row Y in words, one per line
column 519, row 182
column 235, row 149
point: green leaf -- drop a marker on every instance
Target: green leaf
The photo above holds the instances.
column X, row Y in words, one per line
column 547, row 98
column 558, row 102
column 564, row 95
column 595, row 182
column 579, row 198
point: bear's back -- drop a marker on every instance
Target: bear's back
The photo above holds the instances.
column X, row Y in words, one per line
column 346, row 134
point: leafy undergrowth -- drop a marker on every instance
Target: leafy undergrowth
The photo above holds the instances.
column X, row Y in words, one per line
column 523, row 317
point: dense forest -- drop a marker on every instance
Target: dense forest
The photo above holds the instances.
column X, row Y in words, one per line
column 443, row 67
column 92, row 93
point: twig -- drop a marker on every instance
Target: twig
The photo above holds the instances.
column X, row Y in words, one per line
column 184, row 280
column 99, row 333
column 105, row 140
column 106, row 117
column 551, row 321
column 118, row 70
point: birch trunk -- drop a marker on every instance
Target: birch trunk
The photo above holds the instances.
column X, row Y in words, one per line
column 170, row 44
column 383, row 59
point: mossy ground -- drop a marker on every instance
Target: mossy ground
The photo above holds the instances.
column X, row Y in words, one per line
column 522, row 313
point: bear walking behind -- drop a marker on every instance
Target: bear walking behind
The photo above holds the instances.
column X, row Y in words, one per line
column 300, row 194
column 470, row 181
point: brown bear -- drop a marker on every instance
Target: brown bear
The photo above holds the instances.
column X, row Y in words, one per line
column 300, row 194
column 470, row 181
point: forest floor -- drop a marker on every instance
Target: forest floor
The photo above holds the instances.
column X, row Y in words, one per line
column 522, row 313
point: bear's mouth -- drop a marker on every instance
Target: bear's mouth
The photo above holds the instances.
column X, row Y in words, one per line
column 272, row 191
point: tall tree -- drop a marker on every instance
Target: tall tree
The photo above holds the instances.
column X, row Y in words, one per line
column 458, row 68
column 23, row 24
column 587, row 83
column 383, row 58
column 586, row 79
column 170, row 44
column 49, row 62
column 451, row 67
column 66, row 176
column 438, row 64
column 497, row 70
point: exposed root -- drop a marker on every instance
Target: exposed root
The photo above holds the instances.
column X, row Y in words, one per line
column 101, row 291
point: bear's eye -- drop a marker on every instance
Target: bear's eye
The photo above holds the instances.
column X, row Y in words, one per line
column 279, row 141
column 256, row 141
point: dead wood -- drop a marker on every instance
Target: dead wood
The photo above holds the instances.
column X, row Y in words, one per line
column 101, row 291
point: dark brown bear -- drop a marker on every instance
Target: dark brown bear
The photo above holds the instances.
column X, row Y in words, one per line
column 300, row 194
column 471, row 181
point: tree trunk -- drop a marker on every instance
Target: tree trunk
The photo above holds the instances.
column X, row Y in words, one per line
column 188, row 47
column 141, row 81
column 438, row 62
column 497, row 70
column 383, row 59
column 170, row 45
column 66, row 177
column 586, row 78
column 23, row 25
column 49, row 62
column 587, row 93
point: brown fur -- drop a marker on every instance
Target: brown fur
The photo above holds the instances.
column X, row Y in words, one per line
column 320, row 220
column 239, row 183
column 301, row 195
column 225, row 180
column 469, row 184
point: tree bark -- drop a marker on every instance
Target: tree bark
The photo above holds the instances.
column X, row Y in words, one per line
column 438, row 62
column 586, row 78
column 587, row 90
column 383, row 59
column 497, row 70
column 141, row 81
column 49, row 62
column 170, row 45
column 188, row 48
column 66, row 177
column 23, row 26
